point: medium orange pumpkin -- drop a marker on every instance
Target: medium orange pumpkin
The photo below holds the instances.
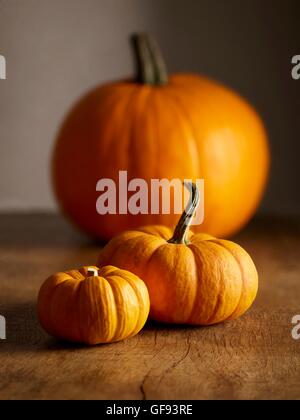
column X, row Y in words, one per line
column 93, row 305
column 191, row 278
column 184, row 126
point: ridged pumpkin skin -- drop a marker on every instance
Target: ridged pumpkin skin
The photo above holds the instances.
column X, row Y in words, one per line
column 192, row 278
column 83, row 308
column 205, row 282
column 189, row 128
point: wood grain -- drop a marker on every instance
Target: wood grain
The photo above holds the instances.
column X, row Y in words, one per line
column 254, row 357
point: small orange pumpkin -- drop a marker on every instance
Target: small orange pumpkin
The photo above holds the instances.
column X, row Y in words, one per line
column 191, row 278
column 182, row 126
column 93, row 305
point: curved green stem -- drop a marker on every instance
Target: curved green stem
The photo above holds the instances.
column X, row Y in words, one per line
column 151, row 68
column 181, row 232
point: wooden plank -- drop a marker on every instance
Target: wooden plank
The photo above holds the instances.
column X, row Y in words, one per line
column 253, row 357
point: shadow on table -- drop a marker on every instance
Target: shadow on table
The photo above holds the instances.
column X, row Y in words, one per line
column 40, row 230
column 52, row 230
column 24, row 333
column 269, row 226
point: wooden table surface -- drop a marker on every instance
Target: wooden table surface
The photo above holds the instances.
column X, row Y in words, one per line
column 254, row 357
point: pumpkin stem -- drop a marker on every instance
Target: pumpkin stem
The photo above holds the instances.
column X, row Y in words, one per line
column 92, row 272
column 151, row 68
column 181, row 231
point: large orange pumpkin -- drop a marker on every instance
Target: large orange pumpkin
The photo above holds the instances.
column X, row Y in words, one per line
column 184, row 126
column 191, row 278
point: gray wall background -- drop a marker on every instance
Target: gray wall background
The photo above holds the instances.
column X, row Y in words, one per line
column 57, row 49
